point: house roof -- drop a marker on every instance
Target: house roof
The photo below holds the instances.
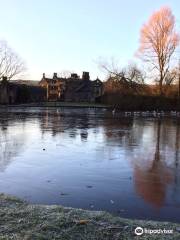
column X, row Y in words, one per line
column 25, row 82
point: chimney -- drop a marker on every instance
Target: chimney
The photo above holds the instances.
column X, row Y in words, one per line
column 55, row 75
column 85, row 76
column 44, row 75
column 4, row 79
column 74, row 75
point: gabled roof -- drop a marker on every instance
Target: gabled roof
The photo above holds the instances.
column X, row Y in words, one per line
column 97, row 81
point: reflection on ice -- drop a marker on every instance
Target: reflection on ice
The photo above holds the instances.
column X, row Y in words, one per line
column 132, row 161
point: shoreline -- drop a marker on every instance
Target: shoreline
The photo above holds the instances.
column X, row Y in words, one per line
column 86, row 105
column 20, row 220
column 59, row 104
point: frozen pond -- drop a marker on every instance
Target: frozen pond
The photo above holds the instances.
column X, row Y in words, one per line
column 90, row 159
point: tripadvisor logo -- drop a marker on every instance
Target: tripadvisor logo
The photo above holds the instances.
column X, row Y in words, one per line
column 138, row 231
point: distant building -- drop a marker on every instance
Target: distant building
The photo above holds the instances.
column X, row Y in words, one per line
column 18, row 91
column 72, row 89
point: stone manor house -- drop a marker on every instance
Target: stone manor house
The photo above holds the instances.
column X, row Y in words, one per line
column 72, row 89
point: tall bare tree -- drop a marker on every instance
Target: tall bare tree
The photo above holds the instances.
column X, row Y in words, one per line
column 158, row 41
column 11, row 65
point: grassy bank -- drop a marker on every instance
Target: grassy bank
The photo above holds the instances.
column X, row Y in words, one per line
column 19, row 220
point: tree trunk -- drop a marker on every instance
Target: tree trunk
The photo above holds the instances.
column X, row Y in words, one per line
column 161, row 84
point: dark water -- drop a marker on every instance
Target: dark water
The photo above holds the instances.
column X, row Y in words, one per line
column 89, row 159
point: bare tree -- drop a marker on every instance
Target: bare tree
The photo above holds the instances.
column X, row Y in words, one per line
column 130, row 78
column 158, row 41
column 134, row 74
column 171, row 76
column 11, row 65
